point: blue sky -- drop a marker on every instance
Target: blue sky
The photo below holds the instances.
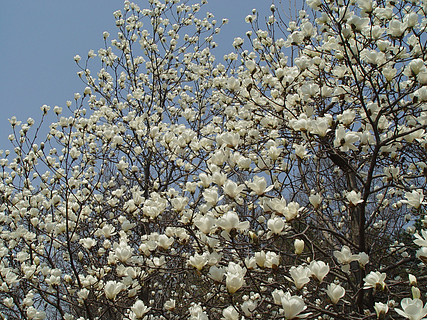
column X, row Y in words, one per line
column 41, row 37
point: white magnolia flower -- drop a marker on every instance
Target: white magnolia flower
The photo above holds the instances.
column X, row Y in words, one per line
column 198, row 261
column 35, row 314
column 112, row 289
column 123, row 252
column 87, row 242
column 230, row 220
column 319, row 269
column 234, row 277
column 345, row 256
column 396, row 28
column 291, row 211
column 412, row 280
column 248, row 307
column 345, row 140
column 414, row 198
column 293, row 306
column 204, row 223
column 169, row 305
column 314, row 4
column 375, row 280
column 422, row 254
column 299, row 246
column 230, row 313
column 421, row 240
column 365, row 5
column 197, row 313
column 260, row 258
column 362, row 258
column 276, row 224
column 216, row 273
column 139, row 309
column 259, row 185
column 335, row 292
column 211, row 195
column 272, row 260
column 353, row 197
column 315, row 200
column 381, row 309
column 300, row 151
column 232, row 189
column 300, row 276
column 413, row 309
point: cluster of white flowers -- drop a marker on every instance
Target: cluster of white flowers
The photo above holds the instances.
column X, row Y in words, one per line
column 177, row 186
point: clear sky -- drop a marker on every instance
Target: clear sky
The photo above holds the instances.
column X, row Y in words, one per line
column 40, row 38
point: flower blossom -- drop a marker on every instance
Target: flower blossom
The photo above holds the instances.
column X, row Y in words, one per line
column 293, row 306
column 234, row 277
column 335, row 292
column 414, row 198
column 413, row 309
column 300, row 276
column 319, row 269
column 374, row 280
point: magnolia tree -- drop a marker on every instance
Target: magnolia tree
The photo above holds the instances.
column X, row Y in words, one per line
column 284, row 182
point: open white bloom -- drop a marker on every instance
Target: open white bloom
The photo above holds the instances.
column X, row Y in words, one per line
column 293, row 306
column 211, row 196
column 198, row 261
column 396, row 28
column 375, row 280
column 234, row 277
column 353, row 197
column 197, row 313
column 381, row 309
column 272, row 260
column 204, row 223
column 87, row 242
column 362, row 258
column 216, row 273
column 164, row 241
column 345, row 140
column 139, row 309
column 422, row 254
column 112, row 289
column 123, row 252
column 291, row 211
column 248, row 307
column 300, row 276
column 413, row 309
column 230, row 220
column 365, row 5
column 335, row 292
column 421, row 240
column 415, row 198
column 232, row 189
column 319, row 269
column 259, row 185
column 169, row 305
column 230, row 313
column 35, row 314
column 314, row 4
column 300, row 151
column 345, row 256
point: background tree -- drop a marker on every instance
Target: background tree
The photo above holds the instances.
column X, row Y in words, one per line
column 263, row 187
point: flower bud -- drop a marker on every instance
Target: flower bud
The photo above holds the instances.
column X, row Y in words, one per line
column 299, row 246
